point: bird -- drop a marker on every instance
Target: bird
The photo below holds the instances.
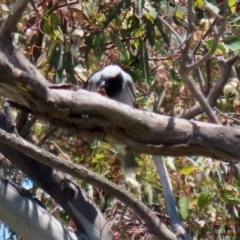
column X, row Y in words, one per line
column 116, row 84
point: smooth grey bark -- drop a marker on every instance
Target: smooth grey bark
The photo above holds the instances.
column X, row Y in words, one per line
column 26, row 217
column 171, row 204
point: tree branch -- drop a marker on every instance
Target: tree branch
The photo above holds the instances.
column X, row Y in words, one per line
column 11, row 22
column 25, row 216
column 225, row 67
column 91, row 115
column 154, row 224
column 170, row 199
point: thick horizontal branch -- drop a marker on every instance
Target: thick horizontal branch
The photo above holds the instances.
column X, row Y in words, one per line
column 91, row 115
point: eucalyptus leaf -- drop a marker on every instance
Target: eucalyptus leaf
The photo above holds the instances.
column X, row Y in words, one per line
column 122, row 5
column 203, row 200
column 184, row 203
column 159, row 26
column 150, row 30
column 144, row 60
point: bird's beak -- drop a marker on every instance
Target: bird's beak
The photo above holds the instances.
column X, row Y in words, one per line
column 103, row 84
column 101, row 88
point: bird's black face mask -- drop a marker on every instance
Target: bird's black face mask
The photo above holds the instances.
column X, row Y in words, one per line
column 112, row 86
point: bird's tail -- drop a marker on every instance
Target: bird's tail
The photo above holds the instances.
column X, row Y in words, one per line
column 128, row 165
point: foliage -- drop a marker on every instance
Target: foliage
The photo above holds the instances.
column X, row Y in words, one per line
column 68, row 41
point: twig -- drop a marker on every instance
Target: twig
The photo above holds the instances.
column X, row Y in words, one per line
column 218, row 34
column 10, row 23
column 27, row 126
column 46, row 136
column 200, row 98
column 208, row 77
column 170, row 199
column 60, row 150
column 189, row 37
column 200, row 79
column 185, row 68
column 225, row 69
column 209, row 54
column 204, row 36
column 190, row 17
column 160, row 100
column 226, row 116
column 171, row 28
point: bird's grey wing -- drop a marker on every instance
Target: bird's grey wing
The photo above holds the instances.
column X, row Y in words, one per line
column 129, row 83
column 128, row 165
column 94, row 82
column 127, row 95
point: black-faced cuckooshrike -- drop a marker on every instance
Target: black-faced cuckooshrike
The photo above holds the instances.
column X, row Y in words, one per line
column 118, row 85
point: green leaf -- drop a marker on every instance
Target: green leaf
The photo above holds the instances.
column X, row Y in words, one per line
column 232, row 43
column 144, row 60
column 69, row 67
column 220, row 47
column 199, row 3
column 88, row 43
column 150, row 30
column 212, row 7
column 116, row 40
column 98, row 40
column 125, row 57
column 79, row 158
column 180, row 21
column 55, row 21
column 134, row 22
column 59, row 51
column 56, row 62
column 118, row 21
column 124, row 4
column 175, row 76
column 159, row 26
column 151, row 11
column 232, row 5
column 188, row 170
column 98, row 156
column 125, row 32
column 203, row 200
column 229, row 196
column 97, row 52
column 179, row 14
column 184, row 203
column 46, row 28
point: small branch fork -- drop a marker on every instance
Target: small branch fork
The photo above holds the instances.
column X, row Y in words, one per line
column 188, row 62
